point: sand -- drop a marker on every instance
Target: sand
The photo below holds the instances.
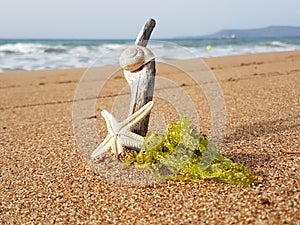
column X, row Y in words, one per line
column 45, row 180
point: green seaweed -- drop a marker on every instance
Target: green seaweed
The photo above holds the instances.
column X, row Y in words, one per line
column 183, row 154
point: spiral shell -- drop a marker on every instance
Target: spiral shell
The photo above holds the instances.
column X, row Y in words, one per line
column 133, row 58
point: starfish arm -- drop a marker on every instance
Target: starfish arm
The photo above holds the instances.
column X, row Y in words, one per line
column 111, row 123
column 116, row 147
column 119, row 148
column 103, row 147
column 130, row 139
column 131, row 143
column 137, row 116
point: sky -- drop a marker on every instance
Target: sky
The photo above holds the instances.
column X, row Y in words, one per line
column 118, row 19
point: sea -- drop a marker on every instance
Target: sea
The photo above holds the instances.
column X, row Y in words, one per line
column 38, row 54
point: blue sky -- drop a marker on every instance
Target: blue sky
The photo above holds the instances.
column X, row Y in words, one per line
column 123, row 19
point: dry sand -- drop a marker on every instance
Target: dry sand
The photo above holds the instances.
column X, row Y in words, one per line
column 45, row 180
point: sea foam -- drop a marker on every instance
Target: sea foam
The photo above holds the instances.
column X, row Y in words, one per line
column 54, row 54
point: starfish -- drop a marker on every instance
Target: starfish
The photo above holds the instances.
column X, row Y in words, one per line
column 119, row 134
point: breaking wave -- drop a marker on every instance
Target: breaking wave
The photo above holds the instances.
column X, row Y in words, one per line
column 56, row 54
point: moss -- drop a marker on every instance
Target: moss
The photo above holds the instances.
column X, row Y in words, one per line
column 183, row 154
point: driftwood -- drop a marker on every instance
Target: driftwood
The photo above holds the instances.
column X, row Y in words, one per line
column 145, row 33
column 140, row 74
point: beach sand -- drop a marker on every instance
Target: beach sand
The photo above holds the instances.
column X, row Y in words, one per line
column 45, row 180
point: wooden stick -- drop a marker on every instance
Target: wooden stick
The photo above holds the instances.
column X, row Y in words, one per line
column 145, row 33
column 142, row 81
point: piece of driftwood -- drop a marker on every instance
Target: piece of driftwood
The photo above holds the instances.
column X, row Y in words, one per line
column 145, row 33
column 138, row 63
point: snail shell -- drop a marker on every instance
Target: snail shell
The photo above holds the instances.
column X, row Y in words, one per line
column 133, row 58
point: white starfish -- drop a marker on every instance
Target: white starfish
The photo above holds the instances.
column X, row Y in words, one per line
column 119, row 134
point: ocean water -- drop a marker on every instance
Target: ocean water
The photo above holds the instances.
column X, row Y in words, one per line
column 29, row 54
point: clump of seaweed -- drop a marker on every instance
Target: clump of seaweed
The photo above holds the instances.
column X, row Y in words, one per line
column 183, row 154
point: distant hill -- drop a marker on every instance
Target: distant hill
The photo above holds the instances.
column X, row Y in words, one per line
column 268, row 32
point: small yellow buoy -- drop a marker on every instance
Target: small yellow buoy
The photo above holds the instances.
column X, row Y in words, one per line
column 208, row 48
